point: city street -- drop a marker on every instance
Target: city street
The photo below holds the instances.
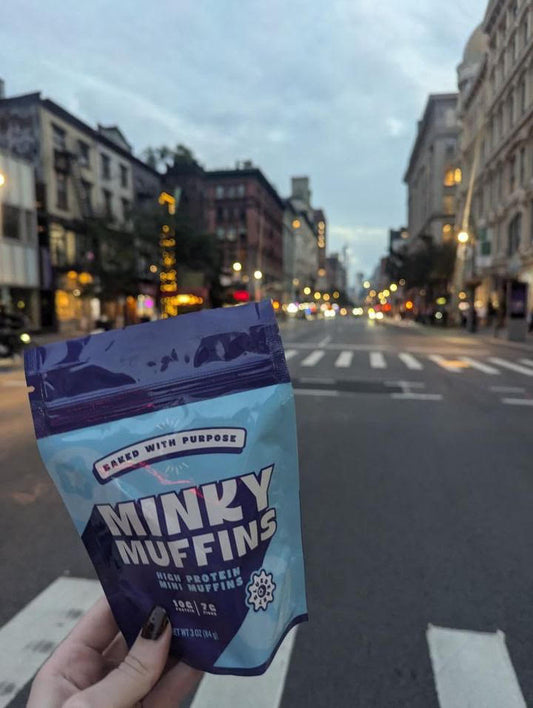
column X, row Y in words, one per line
column 417, row 502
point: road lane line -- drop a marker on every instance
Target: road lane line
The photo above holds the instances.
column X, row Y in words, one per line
column 313, row 358
column 263, row 691
column 314, row 392
column 28, row 639
column 344, row 360
column 507, row 389
column 290, row 353
column 517, row 401
column 444, row 363
column 473, row 669
column 409, row 396
column 377, row 360
column 511, row 366
column 527, row 362
column 485, row 368
column 410, row 361
column 324, row 342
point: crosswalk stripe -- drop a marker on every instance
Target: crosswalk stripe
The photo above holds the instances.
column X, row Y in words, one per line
column 511, row 366
column 290, row 353
column 266, row 690
column 473, row 669
column 28, row 639
column 485, row 368
column 344, row 360
column 527, row 362
column 441, row 361
column 313, row 358
column 517, row 401
column 410, row 361
column 377, row 360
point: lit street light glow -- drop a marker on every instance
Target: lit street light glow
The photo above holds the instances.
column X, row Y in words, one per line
column 2, row 179
column 463, row 236
column 237, row 267
column 258, row 275
column 366, row 284
column 393, row 287
column 307, row 291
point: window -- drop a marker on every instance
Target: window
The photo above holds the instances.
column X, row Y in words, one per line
column 450, row 149
column 11, row 221
column 108, row 206
column 513, row 48
column 59, row 137
column 123, row 176
column 458, row 174
column 514, row 234
column 241, row 190
column 61, row 191
column 106, row 166
column 221, row 233
column 512, row 174
column 447, row 230
column 84, row 155
column 522, row 166
column 522, row 94
column 449, row 179
column 86, row 194
column 30, row 226
column 510, row 109
column 231, row 192
column 500, row 182
column 219, row 192
column 447, row 204
column 525, row 29
column 126, row 209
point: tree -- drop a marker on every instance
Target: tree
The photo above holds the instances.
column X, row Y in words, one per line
column 163, row 157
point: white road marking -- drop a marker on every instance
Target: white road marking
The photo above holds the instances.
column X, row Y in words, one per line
column 527, row 362
column 485, row 368
column 517, row 401
column 511, row 366
column 377, row 360
column 406, row 384
column 324, row 342
column 344, row 360
column 473, row 669
column 314, row 392
column 263, row 691
column 290, row 353
column 409, row 396
column 315, row 380
column 313, row 358
column 441, row 361
column 28, row 639
column 507, row 389
column 410, row 361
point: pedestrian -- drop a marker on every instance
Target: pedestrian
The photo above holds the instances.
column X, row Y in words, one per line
column 499, row 320
column 93, row 667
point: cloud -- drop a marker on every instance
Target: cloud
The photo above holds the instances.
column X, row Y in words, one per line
column 332, row 90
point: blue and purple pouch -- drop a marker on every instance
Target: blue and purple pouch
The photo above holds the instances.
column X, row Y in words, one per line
column 173, row 446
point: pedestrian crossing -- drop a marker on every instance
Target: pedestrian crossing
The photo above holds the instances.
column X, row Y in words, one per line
column 350, row 360
column 469, row 667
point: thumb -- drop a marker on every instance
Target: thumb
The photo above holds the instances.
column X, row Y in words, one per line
column 138, row 673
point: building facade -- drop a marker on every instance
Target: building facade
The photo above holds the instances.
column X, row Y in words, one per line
column 336, row 273
column 433, row 174
column 246, row 214
column 306, row 258
column 497, row 115
column 19, row 245
column 85, row 197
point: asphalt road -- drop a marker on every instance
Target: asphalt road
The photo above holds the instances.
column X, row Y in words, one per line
column 417, row 499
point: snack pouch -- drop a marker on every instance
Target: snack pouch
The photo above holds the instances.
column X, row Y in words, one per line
column 173, row 446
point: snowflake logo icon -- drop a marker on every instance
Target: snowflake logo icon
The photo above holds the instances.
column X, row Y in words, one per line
column 260, row 590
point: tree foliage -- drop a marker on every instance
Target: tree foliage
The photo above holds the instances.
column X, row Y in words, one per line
column 160, row 158
column 426, row 264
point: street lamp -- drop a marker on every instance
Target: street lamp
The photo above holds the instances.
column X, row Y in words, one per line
column 463, row 236
column 237, row 267
column 258, row 275
column 2, row 179
column 366, row 285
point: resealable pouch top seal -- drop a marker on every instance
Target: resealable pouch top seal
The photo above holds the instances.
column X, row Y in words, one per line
column 173, row 446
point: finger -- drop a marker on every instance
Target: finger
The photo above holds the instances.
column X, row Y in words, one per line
column 97, row 628
column 116, row 651
column 138, row 673
column 173, row 687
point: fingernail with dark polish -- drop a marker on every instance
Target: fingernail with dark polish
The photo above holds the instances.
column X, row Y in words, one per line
column 155, row 624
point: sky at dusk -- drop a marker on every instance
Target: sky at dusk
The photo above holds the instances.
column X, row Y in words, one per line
column 301, row 87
